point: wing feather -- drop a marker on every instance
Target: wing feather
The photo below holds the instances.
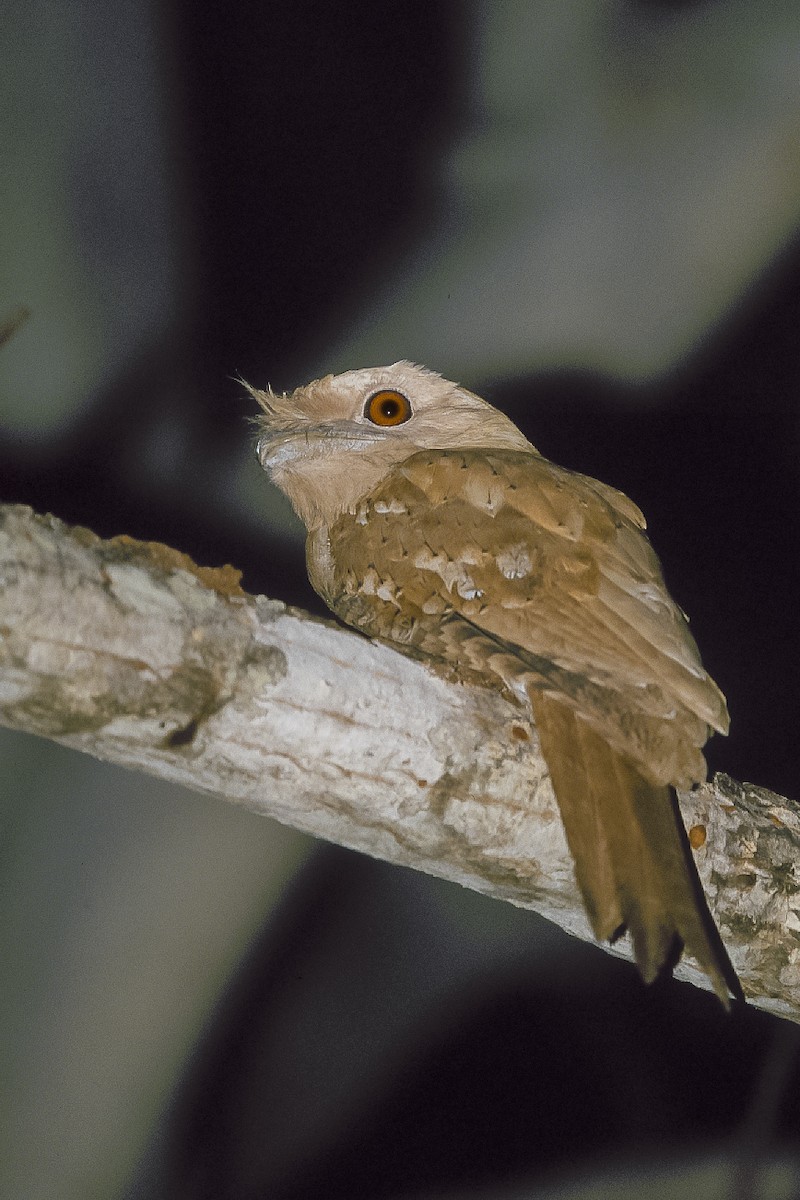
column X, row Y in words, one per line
column 555, row 569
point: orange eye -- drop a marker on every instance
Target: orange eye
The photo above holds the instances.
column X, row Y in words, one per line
column 387, row 408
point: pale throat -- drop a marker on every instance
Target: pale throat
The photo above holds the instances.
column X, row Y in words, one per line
column 322, row 488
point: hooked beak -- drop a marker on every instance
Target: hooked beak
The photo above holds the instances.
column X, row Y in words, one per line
column 278, row 447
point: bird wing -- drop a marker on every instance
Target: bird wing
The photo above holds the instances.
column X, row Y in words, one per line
column 500, row 562
column 503, row 567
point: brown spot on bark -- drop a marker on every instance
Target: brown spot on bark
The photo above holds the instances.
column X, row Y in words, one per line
column 183, row 736
column 697, row 836
column 225, row 581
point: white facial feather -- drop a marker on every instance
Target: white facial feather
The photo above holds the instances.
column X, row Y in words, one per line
column 319, row 446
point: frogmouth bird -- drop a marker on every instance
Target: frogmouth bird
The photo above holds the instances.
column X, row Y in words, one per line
column 434, row 525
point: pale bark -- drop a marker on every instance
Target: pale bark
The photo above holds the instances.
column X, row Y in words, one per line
column 130, row 652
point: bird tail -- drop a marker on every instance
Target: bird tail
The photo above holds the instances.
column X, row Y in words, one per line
column 632, row 858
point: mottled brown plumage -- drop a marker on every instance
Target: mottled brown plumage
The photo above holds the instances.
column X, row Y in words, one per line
column 433, row 524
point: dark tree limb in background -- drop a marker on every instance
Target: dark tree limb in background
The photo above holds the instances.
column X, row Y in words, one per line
column 132, row 653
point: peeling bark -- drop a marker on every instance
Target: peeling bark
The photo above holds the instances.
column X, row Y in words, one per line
column 130, row 652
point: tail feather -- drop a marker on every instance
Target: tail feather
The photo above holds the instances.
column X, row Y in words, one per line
column 581, row 808
column 632, row 859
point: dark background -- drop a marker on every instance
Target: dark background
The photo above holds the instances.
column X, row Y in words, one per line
column 298, row 175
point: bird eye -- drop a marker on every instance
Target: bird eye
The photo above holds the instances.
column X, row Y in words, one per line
column 387, row 408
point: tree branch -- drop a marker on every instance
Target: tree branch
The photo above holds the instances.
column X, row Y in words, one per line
column 130, row 652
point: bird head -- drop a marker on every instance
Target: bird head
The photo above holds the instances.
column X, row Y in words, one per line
column 328, row 444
